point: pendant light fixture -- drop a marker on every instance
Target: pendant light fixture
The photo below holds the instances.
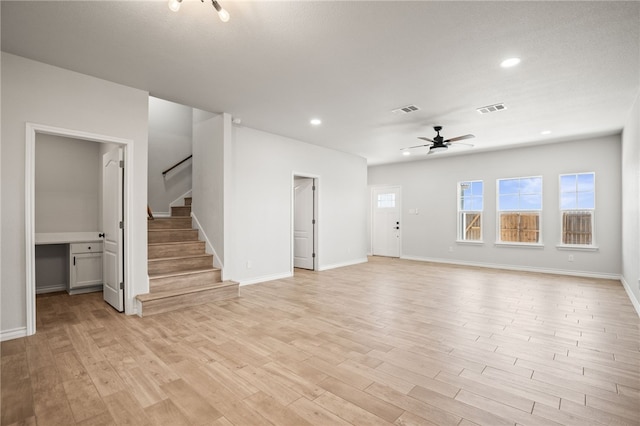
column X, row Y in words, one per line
column 224, row 16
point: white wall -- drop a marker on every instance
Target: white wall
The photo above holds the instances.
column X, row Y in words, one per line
column 67, row 178
column 208, row 171
column 430, row 186
column 43, row 94
column 631, row 205
column 262, row 198
column 170, row 128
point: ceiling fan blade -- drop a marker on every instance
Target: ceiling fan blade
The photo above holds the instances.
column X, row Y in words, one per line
column 426, row 139
column 411, row 147
column 459, row 138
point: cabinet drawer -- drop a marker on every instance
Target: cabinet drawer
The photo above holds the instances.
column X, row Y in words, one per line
column 93, row 247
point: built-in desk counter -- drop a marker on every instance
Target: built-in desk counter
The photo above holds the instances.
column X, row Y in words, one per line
column 66, row 237
column 85, row 258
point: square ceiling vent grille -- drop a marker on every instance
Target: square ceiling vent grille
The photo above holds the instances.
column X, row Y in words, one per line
column 405, row 109
column 491, row 108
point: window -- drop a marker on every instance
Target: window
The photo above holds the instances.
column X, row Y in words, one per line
column 577, row 205
column 519, row 208
column 470, row 205
column 386, row 200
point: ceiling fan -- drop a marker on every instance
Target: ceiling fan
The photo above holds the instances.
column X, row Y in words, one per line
column 438, row 143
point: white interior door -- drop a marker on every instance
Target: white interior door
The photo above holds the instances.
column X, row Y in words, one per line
column 385, row 225
column 112, row 260
column 303, row 223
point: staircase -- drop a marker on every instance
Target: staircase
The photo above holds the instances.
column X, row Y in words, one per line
column 181, row 273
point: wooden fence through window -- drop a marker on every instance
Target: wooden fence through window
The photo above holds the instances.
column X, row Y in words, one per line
column 472, row 230
column 576, row 228
column 520, row 227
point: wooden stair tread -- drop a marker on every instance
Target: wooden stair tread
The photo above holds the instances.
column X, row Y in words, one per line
column 172, row 293
column 175, row 243
column 170, row 229
column 188, row 256
column 183, row 273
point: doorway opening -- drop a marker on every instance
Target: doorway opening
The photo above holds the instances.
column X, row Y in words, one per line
column 123, row 145
column 385, row 221
column 304, row 222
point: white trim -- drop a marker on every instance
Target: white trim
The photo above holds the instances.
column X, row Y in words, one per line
column 14, row 333
column 265, row 278
column 470, row 242
column 31, row 129
column 632, row 297
column 577, row 247
column 209, row 247
column 571, row 273
column 180, row 199
column 51, row 288
column 161, row 214
column 343, row 264
column 520, row 245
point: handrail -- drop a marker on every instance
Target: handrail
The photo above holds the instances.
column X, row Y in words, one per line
column 175, row 165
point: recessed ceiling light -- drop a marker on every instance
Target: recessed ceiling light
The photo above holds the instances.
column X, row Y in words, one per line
column 315, row 121
column 511, row 62
column 406, row 153
column 545, row 132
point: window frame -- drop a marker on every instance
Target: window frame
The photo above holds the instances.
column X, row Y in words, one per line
column 460, row 231
column 392, row 200
column 499, row 212
column 593, row 245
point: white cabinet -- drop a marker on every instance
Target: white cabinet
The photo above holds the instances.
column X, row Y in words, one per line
column 85, row 267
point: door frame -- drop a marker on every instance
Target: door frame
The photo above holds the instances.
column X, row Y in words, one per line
column 372, row 204
column 316, row 210
column 32, row 130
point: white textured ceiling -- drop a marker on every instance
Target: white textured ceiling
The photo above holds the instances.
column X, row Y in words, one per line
column 277, row 64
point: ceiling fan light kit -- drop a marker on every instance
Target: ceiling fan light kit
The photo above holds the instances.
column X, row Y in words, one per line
column 224, row 16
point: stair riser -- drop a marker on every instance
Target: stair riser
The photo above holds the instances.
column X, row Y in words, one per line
column 187, row 201
column 186, row 300
column 181, row 211
column 170, row 223
column 178, row 265
column 186, row 281
column 187, row 248
column 173, row 235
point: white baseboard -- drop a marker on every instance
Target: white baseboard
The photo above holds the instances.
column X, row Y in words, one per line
column 600, row 275
column 632, row 297
column 161, row 214
column 14, row 333
column 265, row 278
column 51, row 288
column 342, row 264
column 209, row 247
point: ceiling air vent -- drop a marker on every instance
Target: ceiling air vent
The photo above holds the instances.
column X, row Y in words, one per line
column 491, row 108
column 405, row 109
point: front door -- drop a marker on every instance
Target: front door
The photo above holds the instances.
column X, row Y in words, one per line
column 303, row 223
column 385, row 234
column 112, row 260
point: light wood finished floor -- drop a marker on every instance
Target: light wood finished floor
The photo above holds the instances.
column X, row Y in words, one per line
column 388, row 342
